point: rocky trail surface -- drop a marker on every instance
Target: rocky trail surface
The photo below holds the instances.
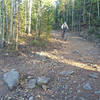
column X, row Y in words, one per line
column 72, row 67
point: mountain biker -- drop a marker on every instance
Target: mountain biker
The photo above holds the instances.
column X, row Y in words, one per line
column 64, row 28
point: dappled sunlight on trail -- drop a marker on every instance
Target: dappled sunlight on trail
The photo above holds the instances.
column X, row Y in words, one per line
column 70, row 62
column 58, row 40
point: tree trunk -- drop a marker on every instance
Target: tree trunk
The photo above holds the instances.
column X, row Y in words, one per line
column 84, row 13
column 26, row 8
column 3, row 24
column 11, row 21
column 18, row 19
column 89, row 21
column 30, row 9
column 72, row 14
column 6, row 22
column 14, row 20
column 0, row 19
column 98, row 8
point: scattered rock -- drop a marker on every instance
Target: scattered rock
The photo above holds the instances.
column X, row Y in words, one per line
column 36, row 55
column 31, row 98
column 42, row 80
column 20, row 98
column 97, row 92
column 40, row 56
column 87, row 86
column 29, row 77
column 45, row 87
column 76, row 51
column 6, row 54
column 11, row 78
column 32, row 83
column 81, row 98
column 74, row 82
column 78, row 91
column 93, row 75
column 67, row 73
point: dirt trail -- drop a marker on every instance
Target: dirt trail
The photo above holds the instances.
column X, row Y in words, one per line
column 75, row 54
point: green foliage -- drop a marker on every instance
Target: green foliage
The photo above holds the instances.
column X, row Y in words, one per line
column 39, row 42
column 92, row 30
column 95, row 31
column 43, row 44
column 34, row 42
column 97, row 36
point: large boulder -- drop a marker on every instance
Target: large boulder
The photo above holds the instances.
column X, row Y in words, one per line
column 11, row 78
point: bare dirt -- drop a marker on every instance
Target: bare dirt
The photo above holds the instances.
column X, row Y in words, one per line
column 76, row 54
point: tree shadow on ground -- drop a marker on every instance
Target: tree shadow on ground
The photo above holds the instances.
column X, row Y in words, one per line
column 44, row 64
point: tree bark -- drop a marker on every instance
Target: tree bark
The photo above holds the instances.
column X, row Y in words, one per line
column 0, row 18
column 30, row 9
column 98, row 8
column 11, row 21
column 3, row 24
column 6, row 21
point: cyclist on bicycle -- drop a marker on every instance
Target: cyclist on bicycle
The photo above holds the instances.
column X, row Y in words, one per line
column 64, row 28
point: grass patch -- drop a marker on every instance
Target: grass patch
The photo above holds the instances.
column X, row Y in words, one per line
column 40, row 43
column 34, row 42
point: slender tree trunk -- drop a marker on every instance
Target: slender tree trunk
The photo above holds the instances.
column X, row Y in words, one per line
column 3, row 23
column 30, row 8
column 72, row 14
column 18, row 19
column 6, row 21
column 0, row 18
column 79, row 21
column 72, row 19
column 26, row 8
column 14, row 21
column 11, row 21
column 98, row 8
column 84, row 13
column 89, row 21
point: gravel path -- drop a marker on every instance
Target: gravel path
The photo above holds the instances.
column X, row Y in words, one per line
column 71, row 66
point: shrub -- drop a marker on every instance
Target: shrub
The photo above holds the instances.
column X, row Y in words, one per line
column 34, row 42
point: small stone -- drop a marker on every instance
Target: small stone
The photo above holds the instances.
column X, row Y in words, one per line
column 42, row 80
column 45, row 87
column 20, row 98
column 36, row 54
column 32, row 83
column 31, row 98
column 40, row 56
column 81, row 98
column 11, row 78
column 87, row 86
column 74, row 81
column 67, row 73
column 76, row 51
column 9, row 98
column 29, row 77
column 93, row 75
column 6, row 54
column 78, row 91
column 97, row 92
